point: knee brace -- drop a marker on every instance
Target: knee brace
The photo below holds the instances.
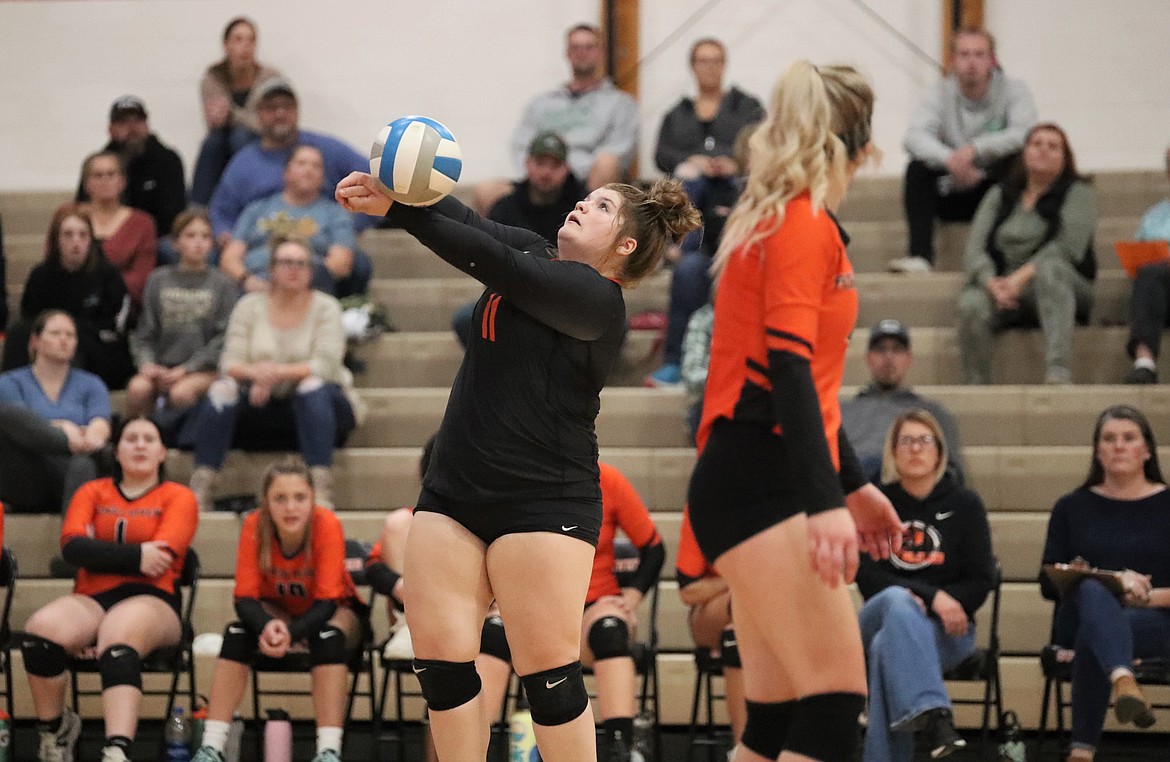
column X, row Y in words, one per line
column 447, row 684
column 493, row 641
column 120, row 665
column 729, row 650
column 826, row 726
column 239, row 645
column 556, row 695
column 767, row 727
column 327, row 646
column 42, row 657
column 609, row 638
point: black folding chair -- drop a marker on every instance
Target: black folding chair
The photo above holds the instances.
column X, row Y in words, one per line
column 8, row 576
column 704, row 733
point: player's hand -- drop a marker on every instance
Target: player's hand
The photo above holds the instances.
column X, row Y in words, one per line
column 275, row 639
column 951, row 613
column 874, row 537
column 832, row 546
column 360, row 192
column 157, row 557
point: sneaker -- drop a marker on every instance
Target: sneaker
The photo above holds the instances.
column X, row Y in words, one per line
column 58, row 747
column 329, row 755
column 942, row 738
column 909, row 265
column 208, row 754
column 667, row 376
column 114, row 754
column 1141, row 376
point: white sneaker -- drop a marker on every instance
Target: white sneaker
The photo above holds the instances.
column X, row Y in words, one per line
column 114, row 754
column 399, row 647
column 58, row 747
column 909, row 265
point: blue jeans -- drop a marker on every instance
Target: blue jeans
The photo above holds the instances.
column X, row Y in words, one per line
column 321, row 421
column 217, row 149
column 1106, row 635
column 689, row 286
column 906, row 654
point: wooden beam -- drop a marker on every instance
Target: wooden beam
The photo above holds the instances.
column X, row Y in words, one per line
column 620, row 19
column 957, row 14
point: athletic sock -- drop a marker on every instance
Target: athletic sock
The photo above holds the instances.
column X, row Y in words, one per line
column 215, row 733
column 1147, row 363
column 121, row 742
column 329, row 738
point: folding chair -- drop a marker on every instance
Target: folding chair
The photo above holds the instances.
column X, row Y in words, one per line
column 983, row 666
column 705, row 733
column 9, row 573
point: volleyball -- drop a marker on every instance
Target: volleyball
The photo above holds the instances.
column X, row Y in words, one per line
column 417, row 160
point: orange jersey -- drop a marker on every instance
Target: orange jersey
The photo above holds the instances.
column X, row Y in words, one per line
column 294, row 583
column 690, row 561
column 623, row 508
column 792, row 291
column 99, row 510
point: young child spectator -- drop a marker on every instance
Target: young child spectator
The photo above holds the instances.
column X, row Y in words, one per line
column 1150, row 304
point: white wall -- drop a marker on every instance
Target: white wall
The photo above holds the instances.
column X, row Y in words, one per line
column 1097, row 67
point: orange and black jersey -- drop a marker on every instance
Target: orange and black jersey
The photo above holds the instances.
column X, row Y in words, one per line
column 784, row 310
column 690, row 564
column 622, row 508
column 520, row 419
column 103, row 532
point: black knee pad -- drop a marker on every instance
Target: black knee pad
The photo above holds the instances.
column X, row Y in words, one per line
column 120, row 665
column 327, row 647
column 826, row 726
column 609, row 638
column 42, row 657
column 556, row 695
column 493, row 641
column 447, row 684
column 729, row 649
column 239, row 645
column 767, row 727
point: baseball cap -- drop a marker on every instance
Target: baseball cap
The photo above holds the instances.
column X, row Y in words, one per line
column 276, row 86
column 889, row 328
column 549, row 143
column 127, row 105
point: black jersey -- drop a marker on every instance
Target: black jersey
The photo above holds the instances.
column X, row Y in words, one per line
column 520, row 419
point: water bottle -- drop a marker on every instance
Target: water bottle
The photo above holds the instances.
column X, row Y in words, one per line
column 231, row 750
column 5, row 736
column 178, row 737
column 523, row 737
column 642, row 747
column 278, row 737
column 198, row 720
column 1011, row 741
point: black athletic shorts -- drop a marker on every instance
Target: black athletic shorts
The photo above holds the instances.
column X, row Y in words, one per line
column 572, row 517
column 743, row 484
column 107, row 599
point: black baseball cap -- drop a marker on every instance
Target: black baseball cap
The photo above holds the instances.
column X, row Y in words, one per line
column 549, row 143
column 127, row 105
column 889, row 328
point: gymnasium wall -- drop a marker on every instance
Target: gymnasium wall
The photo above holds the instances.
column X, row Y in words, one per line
column 1098, row 68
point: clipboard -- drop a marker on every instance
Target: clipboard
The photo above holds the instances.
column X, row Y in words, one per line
column 1134, row 254
column 1066, row 577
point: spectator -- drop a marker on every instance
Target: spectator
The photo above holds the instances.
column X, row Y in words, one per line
column 1030, row 257
column 257, row 169
column 281, row 365
column 179, row 337
column 129, row 537
column 1118, row 519
column 549, row 191
column 696, row 357
column 154, row 173
column 867, row 417
column 77, row 279
column 918, row 620
column 230, row 92
column 1150, row 305
column 126, row 235
column 54, row 420
column 289, row 537
column 300, row 209
column 962, row 139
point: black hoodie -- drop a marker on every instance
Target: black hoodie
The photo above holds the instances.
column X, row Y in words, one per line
column 946, row 546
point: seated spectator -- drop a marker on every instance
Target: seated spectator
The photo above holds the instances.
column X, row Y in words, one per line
column 1118, row 519
column 54, row 418
column 963, row 137
column 708, row 599
column 867, row 417
column 293, row 593
column 298, row 210
column 696, row 356
column 154, row 172
column 1030, row 257
column 76, row 278
column 126, row 235
column 281, row 377
column 229, row 91
column 1150, row 305
column 257, row 169
column 180, row 333
column 128, row 536
column 918, row 620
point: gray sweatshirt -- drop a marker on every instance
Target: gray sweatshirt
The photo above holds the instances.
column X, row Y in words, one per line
column 184, row 317
column 945, row 120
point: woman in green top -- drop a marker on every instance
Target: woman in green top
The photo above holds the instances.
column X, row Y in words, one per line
column 1030, row 257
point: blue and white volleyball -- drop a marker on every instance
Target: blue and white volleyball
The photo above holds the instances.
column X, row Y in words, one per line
column 417, row 159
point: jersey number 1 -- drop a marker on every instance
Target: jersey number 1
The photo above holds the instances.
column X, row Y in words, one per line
column 291, row 590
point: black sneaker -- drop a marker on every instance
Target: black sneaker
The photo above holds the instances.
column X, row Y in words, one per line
column 1141, row 376
column 941, row 735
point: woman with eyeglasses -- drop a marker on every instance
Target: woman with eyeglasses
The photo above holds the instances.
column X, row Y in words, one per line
column 918, row 620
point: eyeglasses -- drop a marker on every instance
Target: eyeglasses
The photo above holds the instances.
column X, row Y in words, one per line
column 924, row 440
column 294, row 263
